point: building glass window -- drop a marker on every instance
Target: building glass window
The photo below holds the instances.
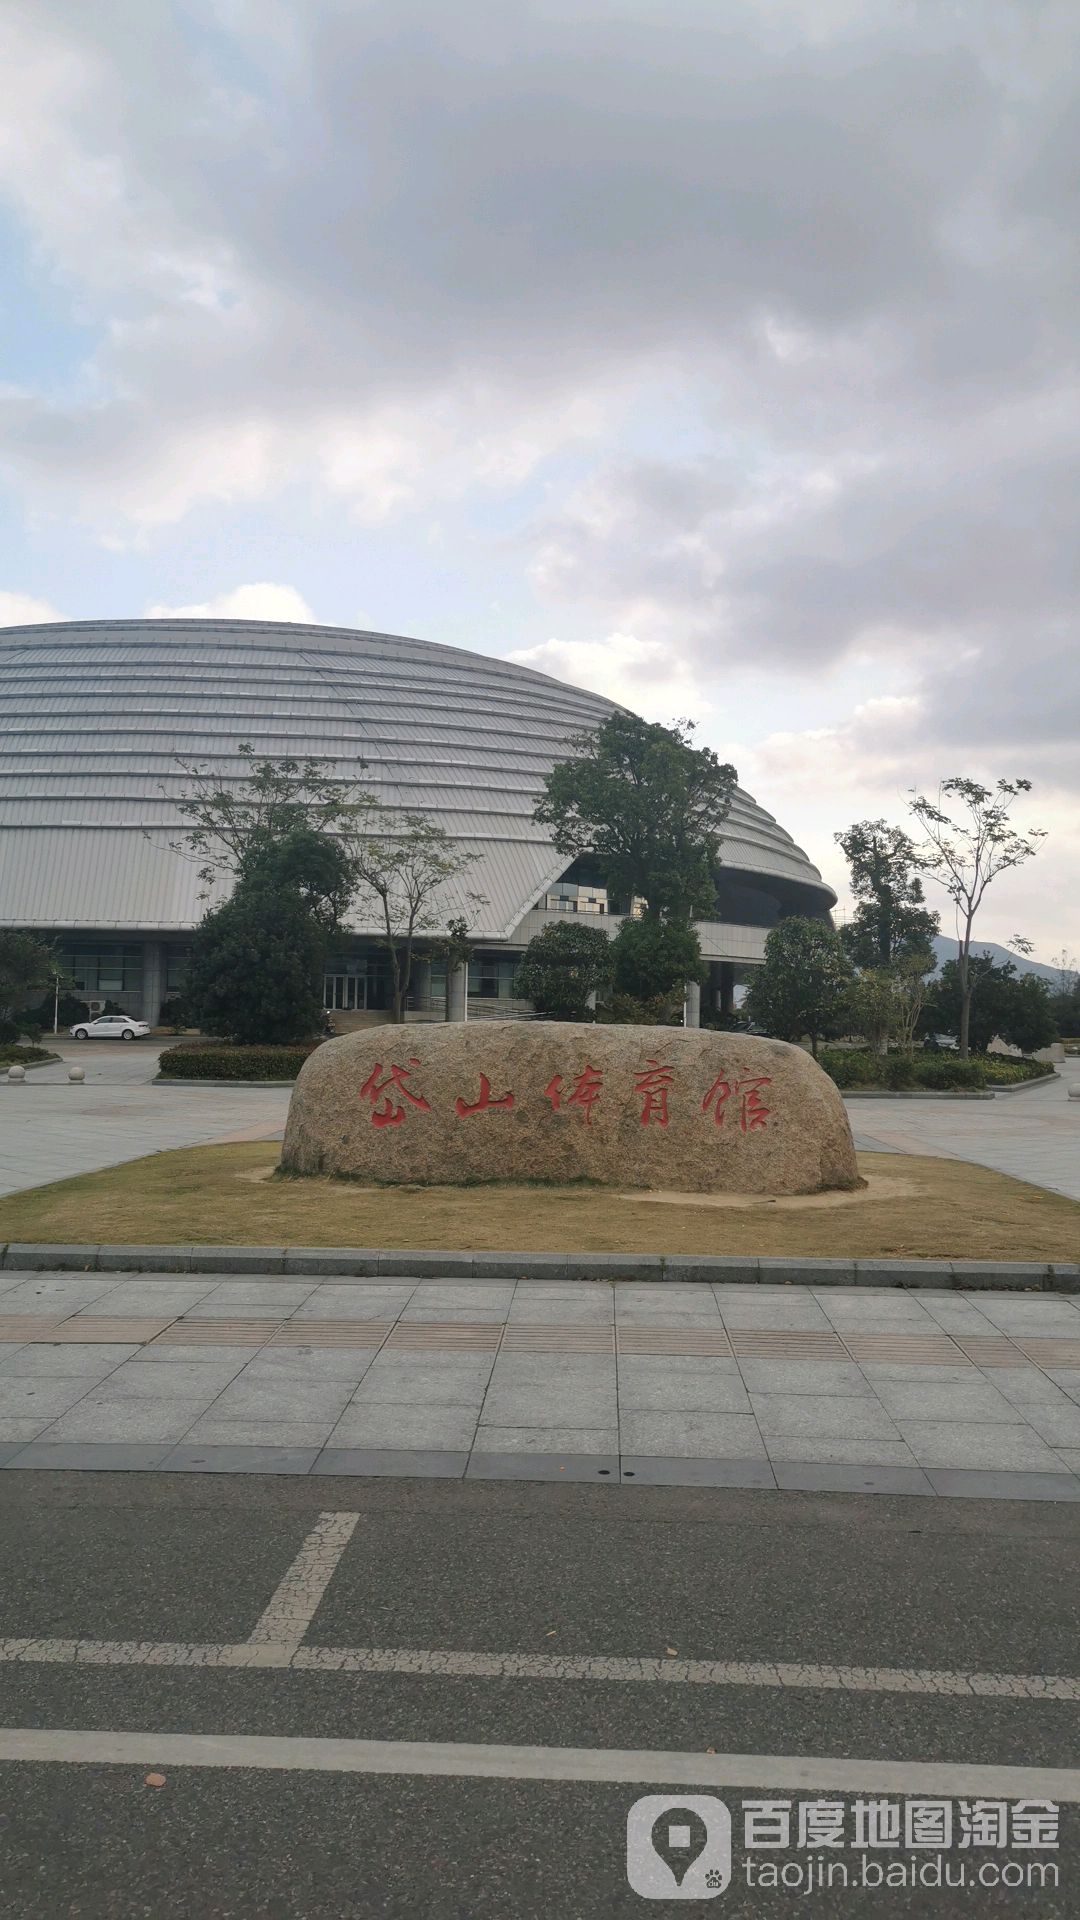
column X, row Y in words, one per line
column 104, row 969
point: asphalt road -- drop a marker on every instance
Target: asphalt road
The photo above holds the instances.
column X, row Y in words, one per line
column 557, row 1574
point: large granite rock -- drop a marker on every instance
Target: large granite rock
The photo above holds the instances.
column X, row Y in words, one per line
column 536, row 1100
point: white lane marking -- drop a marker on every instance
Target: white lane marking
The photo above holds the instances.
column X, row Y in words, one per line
column 295, row 1599
column 453, row 1759
column 539, row 1666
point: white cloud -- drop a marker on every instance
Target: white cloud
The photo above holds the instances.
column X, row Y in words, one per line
column 22, row 610
column 259, row 600
column 642, row 674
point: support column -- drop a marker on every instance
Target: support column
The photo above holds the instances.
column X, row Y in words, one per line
column 421, row 985
column 457, row 991
column 692, row 1004
column 153, row 980
column 727, row 986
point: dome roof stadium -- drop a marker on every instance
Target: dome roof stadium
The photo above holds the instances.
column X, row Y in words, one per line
column 94, row 716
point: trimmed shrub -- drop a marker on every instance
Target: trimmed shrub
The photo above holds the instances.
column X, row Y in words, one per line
column 15, row 1056
column 936, row 1072
column 234, row 1063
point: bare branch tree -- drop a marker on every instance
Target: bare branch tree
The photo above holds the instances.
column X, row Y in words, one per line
column 229, row 822
column 966, row 854
column 407, row 865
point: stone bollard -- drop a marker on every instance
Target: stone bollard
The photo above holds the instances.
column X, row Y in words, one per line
column 16, row 1076
column 77, row 1074
column 1074, row 1093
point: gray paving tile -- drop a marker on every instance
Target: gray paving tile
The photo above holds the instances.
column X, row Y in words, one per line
column 367, row 1462
column 1059, row 1425
column 154, row 1298
column 543, row 1466
column 751, row 1307
column 1026, row 1386
column 537, row 1303
column 431, row 1300
column 384, row 1425
column 1068, row 1379
column 196, row 1356
column 58, row 1297
column 661, row 1471
column 594, row 1440
column 712, row 1435
column 923, row 1400
column 90, row 1456
column 286, row 1400
column 1031, row 1316
column 964, row 1373
column 128, row 1419
column 806, row 1414
column 959, row 1443
column 239, row 1297
column 648, row 1383
column 955, row 1315
column 551, row 1403
column 841, row 1377
column 355, row 1303
column 220, row 1309
column 187, row 1380
column 223, row 1459
column 40, row 1396
column 825, row 1449
column 1071, row 1457
column 452, row 1379
column 808, row 1477
column 971, row 1484
column 210, row 1431
column 315, row 1364
column 66, row 1360
column 20, row 1430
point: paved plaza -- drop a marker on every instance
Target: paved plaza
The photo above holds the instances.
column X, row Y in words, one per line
column 1032, row 1134
column 842, row 1388
column 51, row 1129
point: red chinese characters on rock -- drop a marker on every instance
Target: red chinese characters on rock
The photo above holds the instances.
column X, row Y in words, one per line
column 752, row 1112
column 584, row 1094
column 653, row 1085
column 485, row 1102
column 387, row 1110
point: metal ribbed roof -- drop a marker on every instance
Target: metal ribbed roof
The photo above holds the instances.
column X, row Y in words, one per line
column 93, row 717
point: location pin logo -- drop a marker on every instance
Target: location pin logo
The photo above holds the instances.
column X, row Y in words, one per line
column 680, row 1837
column 678, row 1847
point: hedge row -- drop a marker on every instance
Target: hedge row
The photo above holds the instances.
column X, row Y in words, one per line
column 16, row 1056
column 234, row 1063
column 933, row 1072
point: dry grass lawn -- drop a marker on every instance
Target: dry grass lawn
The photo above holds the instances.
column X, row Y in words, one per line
column 229, row 1195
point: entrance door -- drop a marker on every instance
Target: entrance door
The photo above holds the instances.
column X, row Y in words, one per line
column 344, row 993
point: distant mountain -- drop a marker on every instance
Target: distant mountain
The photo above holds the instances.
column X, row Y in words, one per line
column 947, row 949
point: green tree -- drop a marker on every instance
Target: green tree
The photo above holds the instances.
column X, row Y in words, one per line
column 650, row 806
column 803, row 986
column 891, row 921
column 27, row 965
column 408, row 867
column 562, row 967
column 965, row 851
column 256, row 966
column 1002, row 1004
column 872, row 1007
column 652, row 960
column 454, row 947
column 229, row 823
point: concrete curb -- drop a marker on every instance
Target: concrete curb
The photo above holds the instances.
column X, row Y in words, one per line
column 948, row 1093
column 370, row 1263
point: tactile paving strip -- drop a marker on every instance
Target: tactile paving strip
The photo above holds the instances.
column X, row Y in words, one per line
column 675, row 1341
column 989, row 1349
column 553, row 1339
column 330, row 1333
column 1050, row 1350
column 446, row 1336
column 96, row 1328
column 904, row 1349
column 27, row 1326
column 218, row 1333
column 780, row 1343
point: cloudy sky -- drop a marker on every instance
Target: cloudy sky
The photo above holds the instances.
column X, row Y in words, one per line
column 717, row 354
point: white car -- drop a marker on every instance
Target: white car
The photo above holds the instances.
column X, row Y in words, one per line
column 111, row 1026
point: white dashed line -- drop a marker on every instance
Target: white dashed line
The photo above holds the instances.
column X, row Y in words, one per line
column 295, row 1600
column 458, row 1760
